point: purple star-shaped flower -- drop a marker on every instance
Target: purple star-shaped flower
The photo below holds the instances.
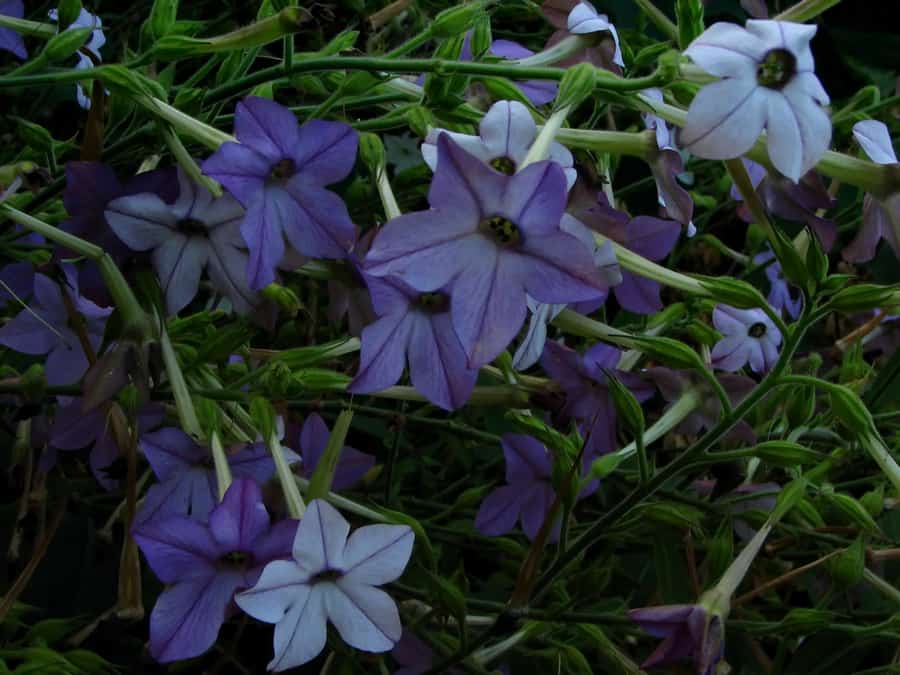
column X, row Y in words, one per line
column 197, row 231
column 571, row 17
column 583, row 378
column 204, row 564
column 413, row 327
column 43, row 327
column 528, row 494
column 331, row 578
column 187, row 478
column 780, row 296
column 689, row 632
column 749, row 337
column 352, row 464
column 279, row 171
column 881, row 214
column 652, row 238
column 74, row 429
column 10, row 40
column 489, row 239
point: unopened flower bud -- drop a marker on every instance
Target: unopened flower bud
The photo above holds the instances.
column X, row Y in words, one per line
column 456, row 20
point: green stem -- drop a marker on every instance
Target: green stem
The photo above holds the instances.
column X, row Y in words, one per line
column 184, row 123
column 636, row 144
column 54, row 234
column 286, row 477
column 805, row 10
column 563, row 49
column 664, row 23
column 45, row 31
column 633, row 262
column 540, row 148
column 577, row 324
column 183, row 404
column 887, row 590
column 220, row 462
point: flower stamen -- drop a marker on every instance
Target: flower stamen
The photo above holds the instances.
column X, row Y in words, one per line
column 502, row 231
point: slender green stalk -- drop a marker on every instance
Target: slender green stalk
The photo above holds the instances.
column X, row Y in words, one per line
column 635, row 144
column 185, row 124
column 295, row 505
column 540, row 148
column 563, row 49
column 183, row 404
column 806, row 10
column 660, row 20
column 220, row 463
column 886, row 589
column 45, row 31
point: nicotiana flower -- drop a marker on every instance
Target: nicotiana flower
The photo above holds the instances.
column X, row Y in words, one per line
column 44, row 327
column 197, row 231
column 203, row 564
column 780, row 296
column 505, row 134
column 331, row 578
column 583, row 378
column 348, row 294
column 74, row 429
column 528, row 494
column 572, row 17
column 689, row 632
column 786, row 199
column 279, row 171
column 352, row 464
column 10, row 40
column 16, row 282
column 489, row 239
column 749, row 337
column 187, row 478
column 538, row 92
column 768, row 82
column 413, row 327
column 881, row 214
column 649, row 237
column 98, row 39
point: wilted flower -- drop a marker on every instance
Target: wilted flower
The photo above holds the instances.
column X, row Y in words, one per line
column 10, row 40
column 489, row 239
column 779, row 291
column 505, row 134
column 689, row 632
column 204, row 564
column 572, row 17
column 187, row 477
column 881, row 215
column 413, row 327
column 528, row 494
column 44, row 327
column 750, row 337
column 348, row 295
column 583, row 378
column 196, row 232
column 98, row 39
column 331, row 578
column 768, row 82
column 352, row 464
column 279, row 171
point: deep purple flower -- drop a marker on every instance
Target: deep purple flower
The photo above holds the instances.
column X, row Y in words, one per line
column 749, row 337
column 652, row 238
column 489, row 239
column 43, row 328
column 588, row 400
column 279, row 171
column 413, row 327
column 187, row 478
column 881, row 214
column 331, row 579
column 204, row 564
column 505, row 134
column 352, row 464
column 414, row 656
column 196, row 232
column 349, row 296
column 689, row 632
column 780, row 296
column 74, row 429
column 798, row 201
column 16, row 282
column 571, row 17
column 10, row 40
column 528, row 493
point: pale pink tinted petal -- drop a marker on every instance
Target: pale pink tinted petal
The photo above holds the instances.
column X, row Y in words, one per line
column 727, row 50
column 301, row 635
column 142, row 221
column 321, row 537
column 377, row 554
column 366, row 617
column 875, row 140
column 508, row 130
column 724, row 119
column 281, row 586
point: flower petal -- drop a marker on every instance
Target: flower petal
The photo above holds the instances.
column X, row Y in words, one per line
column 321, row 538
column 318, row 225
column 727, row 50
column 508, row 130
column 171, row 451
column 141, row 221
column 240, row 169
column 535, row 198
column 301, row 635
column 724, row 119
column 499, row 511
column 262, row 231
column 875, row 140
column 527, row 459
column 267, row 127
column 325, row 152
column 241, row 517
column 382, row 353
column 179, row 262
column 366, row 617
column 377, row 554
column 437, row 362
column 178, row 548
column 464, row 184
column 281, row 586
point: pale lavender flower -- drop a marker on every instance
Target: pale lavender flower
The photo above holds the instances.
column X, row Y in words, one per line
column 881, row 214
column 689, row 632
column 98, row 39
column 571, row 17
column 279, row 171
column 584, row 19
column 43, row 327
column 196, row 232
column 352, row 464
column 490, row 239
column 10, row 40
column 505, row 134
column 538, row 92
column 331, row 579
column 780, row 296
column 528, row 494
column 749, row 337
column 187, row 477
column 768, row 82
column 417, row 328
column 204, row 564
column 532, row 345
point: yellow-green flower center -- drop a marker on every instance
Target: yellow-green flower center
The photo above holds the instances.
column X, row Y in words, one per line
column 501, row 230
column 777, row 68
